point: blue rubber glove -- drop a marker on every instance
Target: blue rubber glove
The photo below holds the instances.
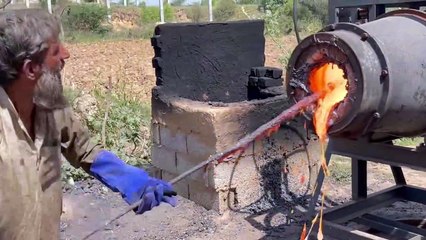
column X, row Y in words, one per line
column 133, row 183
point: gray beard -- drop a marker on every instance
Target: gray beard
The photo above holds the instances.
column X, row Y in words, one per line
column 48, row 93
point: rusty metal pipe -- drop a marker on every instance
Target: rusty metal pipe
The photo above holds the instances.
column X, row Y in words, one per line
column 385, row 64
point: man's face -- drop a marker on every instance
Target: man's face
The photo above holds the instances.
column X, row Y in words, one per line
column 48, row 92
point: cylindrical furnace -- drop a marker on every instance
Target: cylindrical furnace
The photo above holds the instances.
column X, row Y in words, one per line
column 384, row 62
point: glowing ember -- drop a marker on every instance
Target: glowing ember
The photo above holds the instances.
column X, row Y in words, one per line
column 329, row 82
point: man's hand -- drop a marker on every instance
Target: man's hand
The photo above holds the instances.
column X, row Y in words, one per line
column 153, row 192
column 133, row 183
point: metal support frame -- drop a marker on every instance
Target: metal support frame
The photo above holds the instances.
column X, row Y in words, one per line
column 375, row 8
column 359, row 209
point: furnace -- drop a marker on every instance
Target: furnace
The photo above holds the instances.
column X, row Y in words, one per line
column 383, row 99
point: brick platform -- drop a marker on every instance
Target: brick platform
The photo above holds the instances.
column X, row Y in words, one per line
column 186, row 132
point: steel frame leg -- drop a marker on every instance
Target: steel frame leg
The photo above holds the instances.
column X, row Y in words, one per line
column 318, row 185
column 359, row 179
column 361, row 205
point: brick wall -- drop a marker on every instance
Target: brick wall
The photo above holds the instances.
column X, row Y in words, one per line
column 185, row 132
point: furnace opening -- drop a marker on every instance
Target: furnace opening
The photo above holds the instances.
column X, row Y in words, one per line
column 329, row 82
column 328, row 70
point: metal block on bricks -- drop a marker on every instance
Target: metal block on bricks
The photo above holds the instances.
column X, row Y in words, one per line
column 270, row 72
column 265, row 82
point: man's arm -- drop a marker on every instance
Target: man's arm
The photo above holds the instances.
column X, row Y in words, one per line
column 77, row 145
column 133, row 183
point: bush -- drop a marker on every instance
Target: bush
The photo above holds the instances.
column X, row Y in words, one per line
column 197, row 13
column 224, row 10
column 127, row 127
column 86, row 17
column 151, row 14
column 279, row 17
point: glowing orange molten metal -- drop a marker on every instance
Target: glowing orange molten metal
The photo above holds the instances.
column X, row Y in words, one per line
column 329, row 82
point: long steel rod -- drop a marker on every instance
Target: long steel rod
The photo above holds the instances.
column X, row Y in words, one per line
column 264, row 130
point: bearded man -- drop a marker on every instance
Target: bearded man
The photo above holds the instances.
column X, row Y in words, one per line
column 37, row 126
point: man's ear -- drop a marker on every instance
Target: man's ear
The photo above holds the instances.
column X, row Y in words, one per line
column 31, row 70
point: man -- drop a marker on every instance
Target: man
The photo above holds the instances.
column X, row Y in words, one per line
column 37, row 126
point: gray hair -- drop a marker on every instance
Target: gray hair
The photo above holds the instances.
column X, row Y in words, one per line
column 24, row 34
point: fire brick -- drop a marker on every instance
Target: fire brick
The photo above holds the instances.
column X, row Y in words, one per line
column 205, row 196
column 164, row 158
column 173, row 139
column 240, row 174
column 155, row 133
column 200, row 146
column 186, row 162
column 181, row 187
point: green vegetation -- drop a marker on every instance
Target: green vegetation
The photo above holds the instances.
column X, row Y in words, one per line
column 87, row 17
column 151, row 14
column 224, row 10
column 340, row 169
column 121, row 123
column 197, row 13
column 408, row 142
column 89, row 21
column 126, row 125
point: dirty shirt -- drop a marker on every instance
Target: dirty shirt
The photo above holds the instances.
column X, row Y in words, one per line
column 30, row 174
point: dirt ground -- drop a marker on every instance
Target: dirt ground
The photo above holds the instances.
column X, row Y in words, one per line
column 88, row 204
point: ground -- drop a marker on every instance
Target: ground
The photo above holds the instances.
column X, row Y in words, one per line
column 87, row 205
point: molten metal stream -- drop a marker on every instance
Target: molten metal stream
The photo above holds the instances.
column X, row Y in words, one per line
column 329, row 83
